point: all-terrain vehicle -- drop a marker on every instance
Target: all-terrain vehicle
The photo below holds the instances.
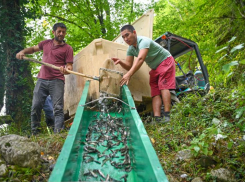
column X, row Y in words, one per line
column 191, row 73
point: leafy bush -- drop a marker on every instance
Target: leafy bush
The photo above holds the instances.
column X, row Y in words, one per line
column 212, row 125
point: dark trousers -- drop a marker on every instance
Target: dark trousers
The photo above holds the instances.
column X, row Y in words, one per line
column 43, row 88
column 49, row 112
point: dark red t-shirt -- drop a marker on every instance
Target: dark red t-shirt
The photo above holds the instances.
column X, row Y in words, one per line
column 57, row 55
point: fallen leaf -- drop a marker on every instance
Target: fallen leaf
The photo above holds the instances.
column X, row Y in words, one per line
column 50, row 158
column 152, row 140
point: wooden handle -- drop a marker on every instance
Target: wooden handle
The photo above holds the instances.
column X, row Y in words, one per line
column 43, row 63
column 58, row 68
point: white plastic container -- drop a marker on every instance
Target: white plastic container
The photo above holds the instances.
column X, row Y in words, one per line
column 93, row 57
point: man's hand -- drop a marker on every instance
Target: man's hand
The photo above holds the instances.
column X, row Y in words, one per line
column 125, row 79
column 20, row 55
column 64, row 70
column 116, row 60
column 25, row 51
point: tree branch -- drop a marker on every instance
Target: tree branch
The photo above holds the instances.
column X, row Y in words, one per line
column 71, row 22
column 241, row 12
column 79, row 18
column 82, row 11
column 225, row 17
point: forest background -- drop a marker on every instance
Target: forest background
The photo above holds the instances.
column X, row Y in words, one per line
column 25, row 23
column 216, row 26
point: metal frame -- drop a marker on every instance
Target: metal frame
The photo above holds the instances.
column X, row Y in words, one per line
column 112, row 71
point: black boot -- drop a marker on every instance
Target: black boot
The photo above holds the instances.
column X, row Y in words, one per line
column 166, row 117
column 158, row 119
column 35, row 128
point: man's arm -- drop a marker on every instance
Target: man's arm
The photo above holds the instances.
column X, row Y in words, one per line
column 137, row 64
column 29, row 50
column 127, row 64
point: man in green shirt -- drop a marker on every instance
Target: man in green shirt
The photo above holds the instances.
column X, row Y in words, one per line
column 162, row 75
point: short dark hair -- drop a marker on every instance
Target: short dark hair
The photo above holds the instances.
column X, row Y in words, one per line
column 127, row 27
column 56, row 25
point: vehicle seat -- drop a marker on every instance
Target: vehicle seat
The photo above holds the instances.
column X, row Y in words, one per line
column 185, row 81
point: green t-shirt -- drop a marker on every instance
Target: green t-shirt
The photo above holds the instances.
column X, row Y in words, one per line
column 156, row 53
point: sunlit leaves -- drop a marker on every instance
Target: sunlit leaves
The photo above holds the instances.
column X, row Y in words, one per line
column 196, row 148
column 232, row 39
column 92, row 19
column 224, row 48
column 223, row 57
column 242, row 61
column 216, row 26
column 229, row 145
column 226, row 67
column 239, row 112
column 240, row 46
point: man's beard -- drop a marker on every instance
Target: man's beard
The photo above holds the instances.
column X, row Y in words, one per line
column 57, row 39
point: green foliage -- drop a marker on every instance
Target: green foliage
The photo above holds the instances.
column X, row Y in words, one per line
column 17, row 75
column 216, row 26
column 212, row 125
column 85, row 20
column 200, row 146
column 50, row 148
column 239, row 112
column 231, row 63
column 15, row 128
column 210, row 24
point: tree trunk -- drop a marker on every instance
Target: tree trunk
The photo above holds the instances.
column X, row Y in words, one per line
column 19, row 82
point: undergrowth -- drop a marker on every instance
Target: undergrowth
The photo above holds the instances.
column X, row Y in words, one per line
column 212, row 125
column 50, row 145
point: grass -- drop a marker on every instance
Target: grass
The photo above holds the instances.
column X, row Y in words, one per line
column 50, row 144
column 192, row 128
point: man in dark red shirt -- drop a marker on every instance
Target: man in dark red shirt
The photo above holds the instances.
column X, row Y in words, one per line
column 50, row 81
